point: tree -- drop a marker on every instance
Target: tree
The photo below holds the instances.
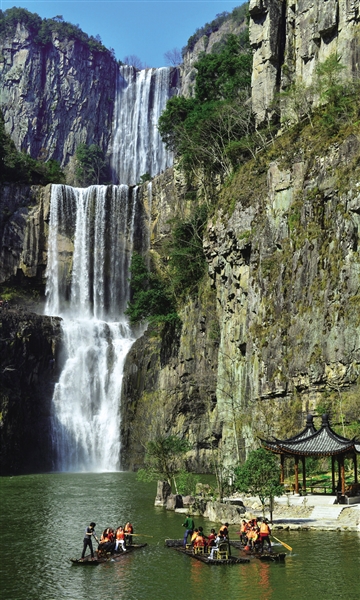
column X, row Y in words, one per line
column 133, row 61
column 164, row 458
column 90, row 164
column 151, row 298
column 173, row 57
column 259, row 476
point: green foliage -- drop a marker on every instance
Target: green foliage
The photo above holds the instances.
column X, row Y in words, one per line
column 164, row 458
column 185, row 249
column 259, row 475
column 204, row 131
column 238, row 15
column 222, row 76
column 144, row 178
column 151, row 299
column 19, row 167
column 43, row 29
column 90, row 162
column 186, row 482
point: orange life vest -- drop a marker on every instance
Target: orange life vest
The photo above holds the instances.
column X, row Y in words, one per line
column 265, row 529
column 120, row 535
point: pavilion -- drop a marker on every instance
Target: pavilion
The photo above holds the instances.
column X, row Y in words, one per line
column 317, row 443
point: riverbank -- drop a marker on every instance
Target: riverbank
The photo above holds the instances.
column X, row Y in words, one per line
column 290, row 513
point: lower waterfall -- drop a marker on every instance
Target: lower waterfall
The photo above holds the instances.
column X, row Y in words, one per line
column 90, row 244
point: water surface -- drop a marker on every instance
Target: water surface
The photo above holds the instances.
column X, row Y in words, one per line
column 42, row 522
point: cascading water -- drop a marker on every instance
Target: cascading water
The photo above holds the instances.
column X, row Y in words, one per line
column 140, row 100
column 100, row 220
column 89, row 250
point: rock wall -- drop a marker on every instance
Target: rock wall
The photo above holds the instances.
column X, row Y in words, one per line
column 24, row 212
column 28, row 342
column 274, row 331
column 291, row 37
column 55, row 96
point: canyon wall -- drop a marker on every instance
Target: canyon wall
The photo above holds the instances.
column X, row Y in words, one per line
column 55, row 96
column 290, row 38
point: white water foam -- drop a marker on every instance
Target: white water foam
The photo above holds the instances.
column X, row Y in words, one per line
column 137, row 146
column 91, row 300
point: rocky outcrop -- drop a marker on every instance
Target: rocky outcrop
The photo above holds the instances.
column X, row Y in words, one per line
column 205, row 45
column 24, row 212
column 290, row 38
column 55, row 96
column 28, row 344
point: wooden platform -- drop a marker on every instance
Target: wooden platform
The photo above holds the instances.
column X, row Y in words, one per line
column 232, row 560
column 264, row 556
column 108, row 558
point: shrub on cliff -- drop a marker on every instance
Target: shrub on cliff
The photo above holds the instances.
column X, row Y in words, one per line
column 19, row 167
column 151, row 298
column 202, row 130
column 43, row 29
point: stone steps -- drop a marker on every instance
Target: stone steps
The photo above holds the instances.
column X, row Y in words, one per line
column 326, row 512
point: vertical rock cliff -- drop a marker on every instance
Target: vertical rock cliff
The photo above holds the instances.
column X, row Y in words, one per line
column 57, row 95
column 291, row 37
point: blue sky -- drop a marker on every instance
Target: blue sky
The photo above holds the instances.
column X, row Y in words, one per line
column 146, row 28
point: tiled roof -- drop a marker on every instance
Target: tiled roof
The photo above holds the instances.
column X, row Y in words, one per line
column 309, row 442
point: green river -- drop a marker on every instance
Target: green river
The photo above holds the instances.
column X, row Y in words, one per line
column 43, row 518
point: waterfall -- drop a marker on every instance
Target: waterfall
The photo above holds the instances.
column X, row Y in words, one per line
column 137, row 146
column 95, row 227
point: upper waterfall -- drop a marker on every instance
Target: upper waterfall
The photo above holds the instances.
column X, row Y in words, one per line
column 140, row 99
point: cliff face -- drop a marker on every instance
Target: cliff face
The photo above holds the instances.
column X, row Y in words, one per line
column 290, row 38
column 56, row 96
column 274, row 332
column 27, row 345
column 24, row 213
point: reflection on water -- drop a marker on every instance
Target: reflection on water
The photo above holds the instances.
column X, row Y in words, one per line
column 43, row 518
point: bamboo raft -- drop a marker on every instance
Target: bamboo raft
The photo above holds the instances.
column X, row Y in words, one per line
column 87, row 562
column 205, row 558
column 264, row 556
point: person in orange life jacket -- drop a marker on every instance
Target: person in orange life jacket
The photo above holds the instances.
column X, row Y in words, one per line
column 89, row 532
column 265, row 533
column 120, row 539
column 243, row 531
column 199, row 540
column 128, row 529
column 194, row 536
column 189, row 528
column 224, row 530
column 107, row 543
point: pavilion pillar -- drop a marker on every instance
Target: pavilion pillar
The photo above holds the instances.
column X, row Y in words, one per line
column 282, row 460
column 304, row 473
column 342, row 472
column 296, row 474
column 333, row 474
column 355, row 469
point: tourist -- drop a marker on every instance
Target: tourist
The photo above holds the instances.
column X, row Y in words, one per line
column 89, row 532
column 211, row 538
column 107, row 543
column 189, row 528
column 224, row 529
column 219, row 540
column 128, row 530
column 120, row 539
column 265, row 533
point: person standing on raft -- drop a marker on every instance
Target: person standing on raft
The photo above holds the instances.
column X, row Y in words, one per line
column 265, row 533
column 89, row 532
column 189, row 528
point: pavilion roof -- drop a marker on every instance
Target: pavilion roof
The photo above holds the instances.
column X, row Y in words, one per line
column 311, row 442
